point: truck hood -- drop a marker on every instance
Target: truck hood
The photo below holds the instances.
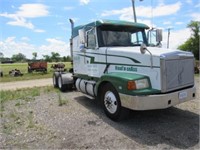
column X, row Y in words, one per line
column 155, row 51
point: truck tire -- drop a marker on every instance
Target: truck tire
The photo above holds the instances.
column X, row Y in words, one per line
column 111, row 102
column 55, row 79
column 61, row 86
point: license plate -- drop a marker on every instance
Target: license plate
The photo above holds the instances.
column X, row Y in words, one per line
column 182, row 95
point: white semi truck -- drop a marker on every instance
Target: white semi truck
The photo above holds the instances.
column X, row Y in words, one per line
column 122, row 64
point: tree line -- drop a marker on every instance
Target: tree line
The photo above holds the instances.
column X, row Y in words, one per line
column 192, row 44
column 54, row 57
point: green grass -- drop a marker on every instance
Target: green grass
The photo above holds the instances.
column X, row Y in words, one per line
column 61, row 101
column 23, row 94
column 26, row 76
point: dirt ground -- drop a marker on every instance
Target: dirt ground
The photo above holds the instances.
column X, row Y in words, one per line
column 25, row 84
column 80, row 123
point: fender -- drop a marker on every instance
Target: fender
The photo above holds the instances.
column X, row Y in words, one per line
column 119, row 80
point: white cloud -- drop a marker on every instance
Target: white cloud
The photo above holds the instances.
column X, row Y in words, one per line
column 25, row 39
column 21, row 22
column 39, row 30
column 195, row 16
column 55, row 41
column 12, row 46
column 160, row 10
column 147, row 22
column 84, row 2
column 55, row 45
column 26, row 11
column 145, row 11
column 178, row 23
column 161, row 2
column 176, row 37
column 189, row 1
column 32, row 10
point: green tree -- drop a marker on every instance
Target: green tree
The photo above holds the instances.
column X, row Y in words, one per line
column 47, row 58
column 192, row 44
column 55, row 57
column 66, row 59
column 18, row 57
column 1, row 56
column 34, row 55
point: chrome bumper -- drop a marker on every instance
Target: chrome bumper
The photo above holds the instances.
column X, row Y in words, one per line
column 160, row 101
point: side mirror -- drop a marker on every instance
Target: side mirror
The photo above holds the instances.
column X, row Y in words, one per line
column 143, row 48
column 158, row 35
column 82, row 36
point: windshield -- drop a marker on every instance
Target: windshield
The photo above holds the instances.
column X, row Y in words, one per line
column 121, row 37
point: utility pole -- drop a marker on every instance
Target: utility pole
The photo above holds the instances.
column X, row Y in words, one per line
column 168, row 37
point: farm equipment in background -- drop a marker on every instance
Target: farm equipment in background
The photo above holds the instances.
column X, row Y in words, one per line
column 15, row 73
column 39, row 66
column 1, row 73
column 59, row 67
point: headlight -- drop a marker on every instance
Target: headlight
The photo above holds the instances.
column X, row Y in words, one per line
column 141, row 84
column 138, row 84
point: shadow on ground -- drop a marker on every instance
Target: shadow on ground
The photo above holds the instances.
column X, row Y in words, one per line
column 172, row 126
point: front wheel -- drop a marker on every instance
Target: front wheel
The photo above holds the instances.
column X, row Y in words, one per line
column 111, row 102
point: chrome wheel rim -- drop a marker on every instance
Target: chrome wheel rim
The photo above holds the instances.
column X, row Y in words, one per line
column 110, row 102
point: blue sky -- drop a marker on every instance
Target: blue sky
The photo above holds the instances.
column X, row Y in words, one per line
column 42, row 26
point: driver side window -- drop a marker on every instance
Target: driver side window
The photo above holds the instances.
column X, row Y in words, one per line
column 91, row 39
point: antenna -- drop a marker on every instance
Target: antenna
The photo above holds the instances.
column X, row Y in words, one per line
column 134, row 12
column 152, row 14
column 134, row 15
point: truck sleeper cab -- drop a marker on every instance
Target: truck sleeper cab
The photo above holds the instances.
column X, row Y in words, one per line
column 115, row 62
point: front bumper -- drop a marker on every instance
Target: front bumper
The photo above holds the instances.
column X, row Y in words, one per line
column 158, row 101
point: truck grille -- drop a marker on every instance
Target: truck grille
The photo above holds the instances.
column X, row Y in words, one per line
column 177, row 74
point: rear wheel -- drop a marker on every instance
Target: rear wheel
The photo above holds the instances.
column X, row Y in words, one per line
column 111, row 102
column 61, row 86
column 55, row 79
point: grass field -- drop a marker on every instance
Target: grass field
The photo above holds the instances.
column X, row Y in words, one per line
column 28, row 76
column 23, row 67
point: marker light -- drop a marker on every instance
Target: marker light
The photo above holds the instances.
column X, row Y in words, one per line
column 131, row 85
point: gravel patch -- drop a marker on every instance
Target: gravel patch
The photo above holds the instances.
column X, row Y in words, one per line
column 80, row 123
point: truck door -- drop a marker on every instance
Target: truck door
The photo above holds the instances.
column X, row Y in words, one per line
column 95, row 61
